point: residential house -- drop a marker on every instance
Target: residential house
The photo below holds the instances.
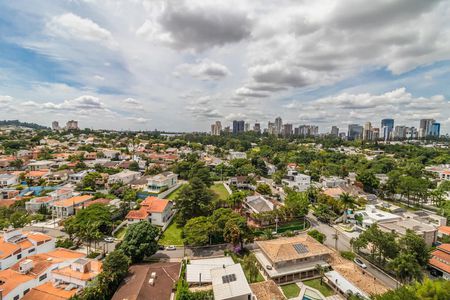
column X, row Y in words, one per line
column 198, row 271
column 33, row 271
column 126, row 176
column 341, row 284
column 373, row 215
column 67, row 207
column 241, row 182
column 110, row 154
column 78, row 177
column 237, row 155
column 400, row 227
column 58, row 176
column 156, row 211
column 443, row 231
column 35, row 204
column 162, row 182
column 258, row 204
column 16, row 244
column 8, row 180
column 440, row 261
column 230, row 283
column 78, row 274
column 292, row 259
column 296, row 181
column 40, row 165
column 333, row 182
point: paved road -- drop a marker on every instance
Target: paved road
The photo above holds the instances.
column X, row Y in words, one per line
column 343, row 244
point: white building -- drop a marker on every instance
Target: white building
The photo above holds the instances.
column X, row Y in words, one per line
column 198, row 271
column 78, row 177
column 65, row 208
column 296, row 181
column 40, row 165
column 156, row 211
column 8, row 180
column 15, row 245
column 229, row 283
column 34, row 204
column 126, row 176
column 237, row 155
column 373, row 215
column 162, row 181
column 332, row 182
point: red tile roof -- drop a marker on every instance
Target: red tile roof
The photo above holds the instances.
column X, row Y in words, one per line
column 444, row 230
column 154, row 204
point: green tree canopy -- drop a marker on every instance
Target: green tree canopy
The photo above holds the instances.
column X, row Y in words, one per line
column 140, row 241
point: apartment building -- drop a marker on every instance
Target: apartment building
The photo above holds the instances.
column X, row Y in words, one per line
column 67, row 207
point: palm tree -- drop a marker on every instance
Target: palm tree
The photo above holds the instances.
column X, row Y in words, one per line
column 348, row 202
column 321, row 270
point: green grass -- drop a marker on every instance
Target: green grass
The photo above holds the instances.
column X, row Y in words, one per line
column 121, row 233
column 290, row 290
column 239, row 260
column 175, row 193
column 220, row 190
column 172, row 235
column 324, row 288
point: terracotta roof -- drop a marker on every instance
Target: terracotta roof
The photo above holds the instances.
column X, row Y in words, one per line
column 98, row 201
column 11, row 279
column 44, row 199
column 36, row 173
column 94, row 269
column 48, row 292
column 140, row 214
column 444, row 230
column 37, row 236
column 441, row 259
column 154, row 204
column 284, row 249
column 73, row 201
column 267, row 290
column 444, row 247
column 6, row 249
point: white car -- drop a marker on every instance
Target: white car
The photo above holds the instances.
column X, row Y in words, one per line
column 171, row 248
column 109, row 239
column 360, row 263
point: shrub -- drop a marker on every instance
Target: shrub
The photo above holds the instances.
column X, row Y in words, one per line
column 348, row 255
column 317, row 235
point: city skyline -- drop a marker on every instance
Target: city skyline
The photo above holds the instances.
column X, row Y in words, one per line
column 181, row 65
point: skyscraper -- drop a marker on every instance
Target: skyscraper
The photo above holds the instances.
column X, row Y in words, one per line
column 425, row 127
column 238, row 126
column 278, row 125
column 72, row 125
column 287, row 129
column 257, row 128
column 216, row 128
column 354, row 132
column 55, row 125
column 367, row 132
column 387, row 125
column 334, row 131
column 271, row 128
column 247, row 127
column 436, row 129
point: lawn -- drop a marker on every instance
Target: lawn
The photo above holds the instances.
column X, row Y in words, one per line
column 121, row 233
column 175, row 193
column 172, row 235
column 289, row 226
column 290, row 290
column 324, row 288
column 220, row 190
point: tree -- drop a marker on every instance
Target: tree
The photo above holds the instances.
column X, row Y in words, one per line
column 16, row 164
column 347, row 202
column 90, row 180
column 428, row 289
column 297, row 203
column 194, row 200
column 237, row 232
column 134, row 166
column 236, row 199
column 406, row 267
column 317, row 235
column 197, row 231
column 369, row 180
column 18, row 219
column 250, row 265
column 116, row 264
column 321, row 270
column 140, row 241
column 264, row 189
column 414, row 244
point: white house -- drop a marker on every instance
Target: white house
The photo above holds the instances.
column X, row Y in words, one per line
column 296, row 181
column 66, row 207
column 373, row 215
column 229, row 283
column 78, row 177
column 15, row 245
column 40, row 165
column 162, row 181
column 60, row 194
column 8, row 180
column 237, row 155
column 156, row 211
column 126, row 176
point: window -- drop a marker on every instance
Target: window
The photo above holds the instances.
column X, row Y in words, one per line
column 42, row 277
column 31, row 250
column 19, row 256
column 26, row 291
column 16, row 297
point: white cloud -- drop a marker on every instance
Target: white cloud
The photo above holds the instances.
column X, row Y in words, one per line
column 5, row 99
column 132, row 101
column 204, row 69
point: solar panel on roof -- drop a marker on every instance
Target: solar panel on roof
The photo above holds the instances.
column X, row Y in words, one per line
column 300, row 248
column 229, row 278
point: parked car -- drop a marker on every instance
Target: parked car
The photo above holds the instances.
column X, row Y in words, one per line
column 171, row 248
column 360, row 263
column 161, row 247
column 109, row 239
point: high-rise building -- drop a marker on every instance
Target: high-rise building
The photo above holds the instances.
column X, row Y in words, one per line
column 271, row 128
column 334, row 131
column 425, row 127
column 278, row 125
column 367, row 132
column 55, row 126
column 238, row 126
column 257, row 128
column 307, row 130
column 436, row 129
column 216, row 128
column 287, row 129
column 411, row 133
column 375, row 133
column 247, row 127
column 387, row 126
column 72, row 125
column 399, row 132
column 355, row 132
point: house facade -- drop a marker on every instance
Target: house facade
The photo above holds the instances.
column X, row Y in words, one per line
column 156, row 211
column 162, row 181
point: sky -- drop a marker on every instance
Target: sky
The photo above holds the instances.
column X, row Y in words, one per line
column 182, row 65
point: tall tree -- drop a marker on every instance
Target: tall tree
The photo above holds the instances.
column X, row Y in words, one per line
column 140, row 241
column 197, row 231
column 194, row 200
column 406, row 267
column 347, row 202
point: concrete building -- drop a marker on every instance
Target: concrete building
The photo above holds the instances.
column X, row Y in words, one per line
column 55, row 126
column 292, row 259
column 198, row 271
column 334, row 131
column 373, row 215
column 78, row 177
column 126, row 176
column 40, row 165
column 72, row 125
column 355, row 132
column 307, row 130
column 238, row 126
column 216, row 128
column 257, row 128
column 425, row 127
column 230, row 283
column 387, row 126
column 296, row 181
column 8, row 180
column 440, row 261
column 67, row 207
column 156, row 211
column 400, row 227
column 161, row 182
column 287, row 130
column 278, row 125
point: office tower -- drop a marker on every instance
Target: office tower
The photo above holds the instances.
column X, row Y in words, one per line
column 334, row 131
column 72, row 125
column 436, row 129
column 411, row 133
column 287, row 129
column 216, row 128
column 271, row 128
column 238, row 126
column 278, row 125
column 55, row 125
column 387, row 125
column 425, row 127
column 307, row 130
column 257, row 128
column 367, row 132
column 247, row 127
column 399, row 132
column 355, row 132
column 375, row 134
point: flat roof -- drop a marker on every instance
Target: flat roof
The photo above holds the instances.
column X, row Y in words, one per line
column 229, row 282
column 343, row 284
column 204, row 267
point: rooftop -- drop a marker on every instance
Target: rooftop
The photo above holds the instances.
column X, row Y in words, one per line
column 200, row 269
column 229, row 282
column 154, row 204
column 343, row 284
column 73, row 201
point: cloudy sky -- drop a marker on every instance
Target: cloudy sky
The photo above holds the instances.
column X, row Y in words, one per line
column 175, row 65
